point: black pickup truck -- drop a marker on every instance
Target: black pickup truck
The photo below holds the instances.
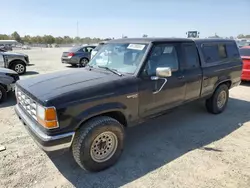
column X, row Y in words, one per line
column 128, row 81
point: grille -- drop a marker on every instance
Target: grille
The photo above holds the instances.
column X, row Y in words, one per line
column 28, row 104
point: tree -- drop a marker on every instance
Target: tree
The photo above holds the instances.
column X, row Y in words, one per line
column 240, row 36
column 67, row 40
column 144, row 35
column 77, row 40
column 16, row 37
column 59, row 40
column 48, row 39
column 27, row 39
column 4, row 37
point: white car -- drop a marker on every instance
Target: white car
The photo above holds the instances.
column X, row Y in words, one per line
column 25, row 47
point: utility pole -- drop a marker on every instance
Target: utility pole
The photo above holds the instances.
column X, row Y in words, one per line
column 77, row 32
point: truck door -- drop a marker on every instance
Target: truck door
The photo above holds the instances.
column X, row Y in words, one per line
column 190, row 64
column 159, row 94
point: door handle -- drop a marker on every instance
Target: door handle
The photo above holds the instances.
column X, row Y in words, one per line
column 181, row 77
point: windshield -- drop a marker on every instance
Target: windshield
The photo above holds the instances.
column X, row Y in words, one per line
column 245, row 52
column 122, row 57
column 99, row 47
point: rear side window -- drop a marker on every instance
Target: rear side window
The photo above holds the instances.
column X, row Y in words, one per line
column 211, row 52
column 191, row 56
column 222, row 51
column 218, row 51
column 232, row 50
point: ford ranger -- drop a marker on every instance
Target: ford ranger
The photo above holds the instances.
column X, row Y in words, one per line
column 128, row 81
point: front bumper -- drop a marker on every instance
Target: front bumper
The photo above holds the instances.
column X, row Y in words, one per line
column 44, row 141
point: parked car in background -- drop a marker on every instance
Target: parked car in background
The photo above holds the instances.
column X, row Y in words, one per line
column 127, row 82
column 8, row 79
column 6, row 47
column 3, row 50
column 97, row 48
column 245, row 55
column 78, row 56
column 15, row 61
column 26, row 47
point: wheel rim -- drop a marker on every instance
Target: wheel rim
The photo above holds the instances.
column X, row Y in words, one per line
column 222, row 98
column 19, row 68
column 104, row 146
column 84, row 61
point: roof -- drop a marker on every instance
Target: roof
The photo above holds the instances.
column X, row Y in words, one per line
column 197, row 40
column 8, row 41
column 149, row 40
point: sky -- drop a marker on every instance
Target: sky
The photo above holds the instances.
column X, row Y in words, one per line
column 133, row 18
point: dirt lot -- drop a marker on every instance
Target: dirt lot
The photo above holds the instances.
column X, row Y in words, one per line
column 186, row 148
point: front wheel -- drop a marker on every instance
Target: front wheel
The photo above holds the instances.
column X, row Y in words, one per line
column 98, row 144
column 218, row 102
column 19, row 67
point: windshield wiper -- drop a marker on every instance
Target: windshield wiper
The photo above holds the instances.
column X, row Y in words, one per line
column 111, row 70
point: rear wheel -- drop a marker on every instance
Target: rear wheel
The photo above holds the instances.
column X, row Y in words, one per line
column 84, row 62
column 3, row 94
column 98, row 144
column 218, row 102
column 19, row 67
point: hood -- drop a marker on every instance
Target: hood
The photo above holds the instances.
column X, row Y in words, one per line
column 14, row 54
column 3, row 70
column 53, row 85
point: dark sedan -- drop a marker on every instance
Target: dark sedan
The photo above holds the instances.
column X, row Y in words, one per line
column 78, row 56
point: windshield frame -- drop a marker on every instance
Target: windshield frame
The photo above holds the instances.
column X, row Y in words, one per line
column 141, row 63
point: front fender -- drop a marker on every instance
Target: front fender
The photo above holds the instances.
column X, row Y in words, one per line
column 98, row 110
column 13, row 60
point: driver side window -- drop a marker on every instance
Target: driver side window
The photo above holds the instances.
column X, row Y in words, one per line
column 162, row 55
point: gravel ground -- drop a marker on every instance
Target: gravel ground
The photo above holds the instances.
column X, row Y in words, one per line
column 196, row 150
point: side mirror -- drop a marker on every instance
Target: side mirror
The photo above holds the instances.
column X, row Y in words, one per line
column 163, row 72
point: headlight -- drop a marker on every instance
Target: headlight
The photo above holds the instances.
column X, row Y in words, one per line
column 40, row 112
column 47, row 116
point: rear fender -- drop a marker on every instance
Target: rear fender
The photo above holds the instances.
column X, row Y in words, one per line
column 221, row 80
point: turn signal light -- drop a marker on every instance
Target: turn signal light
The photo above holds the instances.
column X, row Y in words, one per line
column 47, row 117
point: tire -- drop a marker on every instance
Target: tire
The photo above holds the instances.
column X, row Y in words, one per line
column 85, row 151
column 3, row 94
column 212, row 104
column 19, row 67
column 84, row 62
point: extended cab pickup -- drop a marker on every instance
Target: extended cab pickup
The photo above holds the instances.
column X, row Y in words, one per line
column 126, row 82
